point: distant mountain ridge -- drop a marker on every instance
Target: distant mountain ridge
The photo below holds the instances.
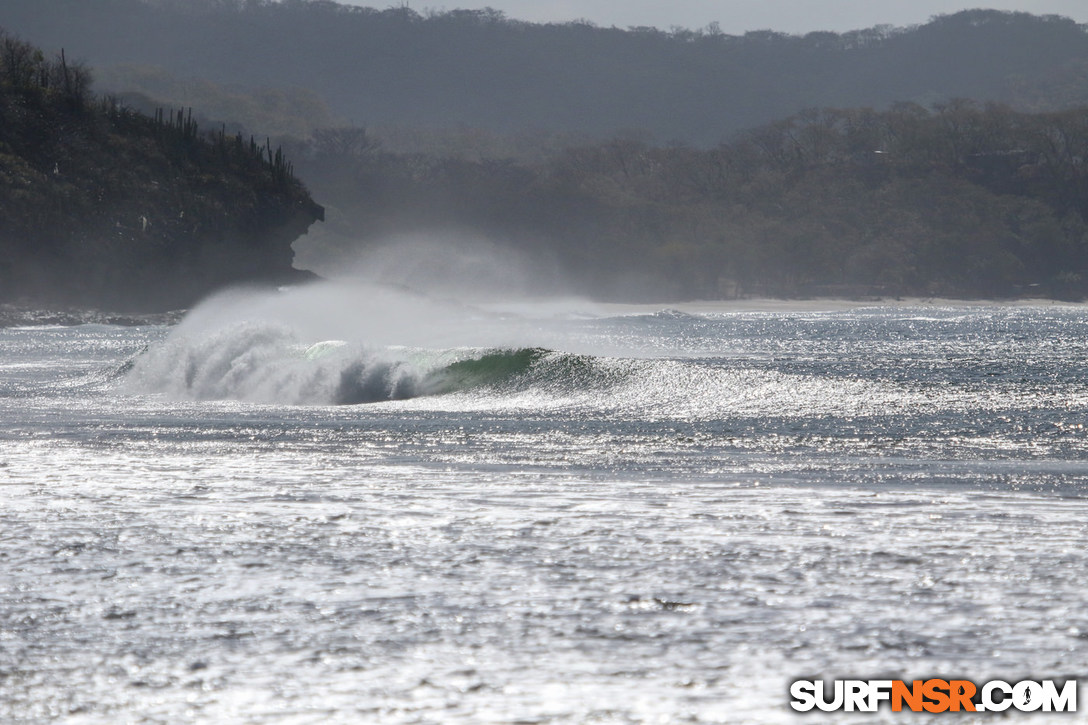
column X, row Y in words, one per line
column 480, row 69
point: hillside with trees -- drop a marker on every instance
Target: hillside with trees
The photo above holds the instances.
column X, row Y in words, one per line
column 960, row 200
column 479, row 69
column 102, row 205
column 853, row 164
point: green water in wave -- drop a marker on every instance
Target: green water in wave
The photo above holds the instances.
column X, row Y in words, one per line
column 489, row 369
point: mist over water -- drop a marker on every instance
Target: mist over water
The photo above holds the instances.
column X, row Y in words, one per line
column 444, row 264
column 380, row 315
column 452, row 265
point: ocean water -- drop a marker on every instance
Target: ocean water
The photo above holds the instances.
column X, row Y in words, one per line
column 339, row 505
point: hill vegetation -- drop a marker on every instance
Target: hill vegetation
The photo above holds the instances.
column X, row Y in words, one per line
column 845, row 169
column 102, row 205
column 479, row 69
column 961, row 200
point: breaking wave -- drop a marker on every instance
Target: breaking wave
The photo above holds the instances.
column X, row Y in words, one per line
column 335, row 345
column 264, row 363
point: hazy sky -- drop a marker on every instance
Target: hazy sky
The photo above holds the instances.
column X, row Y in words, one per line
column 737, row 16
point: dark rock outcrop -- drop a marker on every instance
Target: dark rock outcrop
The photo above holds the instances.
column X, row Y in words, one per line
column 106, row 207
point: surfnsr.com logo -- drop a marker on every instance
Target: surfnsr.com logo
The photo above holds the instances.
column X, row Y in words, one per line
column 934, row 695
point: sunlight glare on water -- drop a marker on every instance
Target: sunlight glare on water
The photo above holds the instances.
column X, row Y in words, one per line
column 546, row 526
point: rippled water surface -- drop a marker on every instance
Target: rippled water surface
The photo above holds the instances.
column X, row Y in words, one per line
column 546, row 516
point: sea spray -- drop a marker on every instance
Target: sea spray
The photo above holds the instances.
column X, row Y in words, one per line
column 375, row 315
column 329, row 343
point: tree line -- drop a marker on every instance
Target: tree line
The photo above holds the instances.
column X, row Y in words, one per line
column 958, row 199
column 397, row 66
